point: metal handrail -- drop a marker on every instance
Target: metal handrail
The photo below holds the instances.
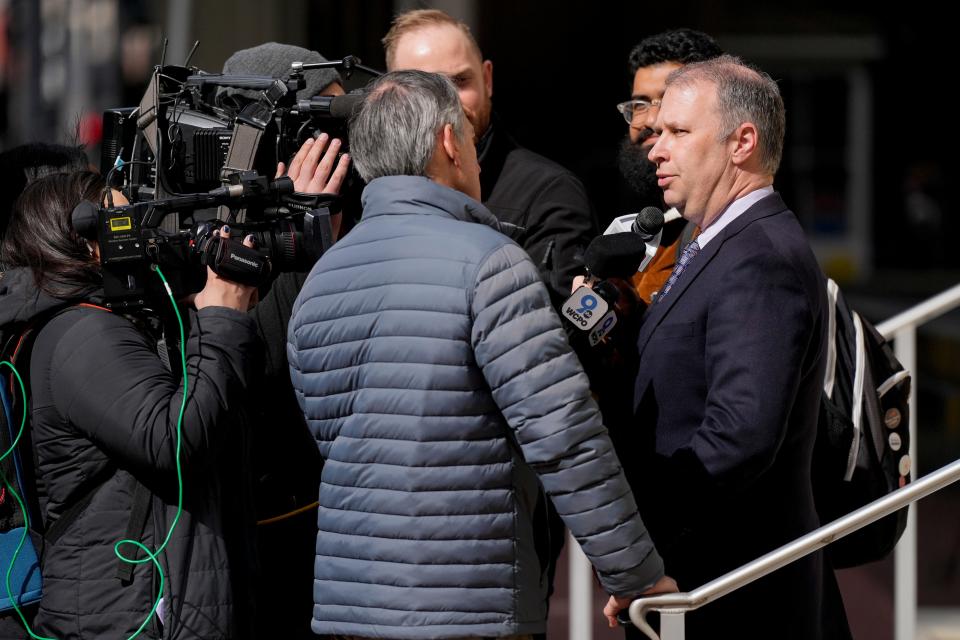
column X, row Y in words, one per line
column 923, row 312
column 817, row 539
column 901, row 328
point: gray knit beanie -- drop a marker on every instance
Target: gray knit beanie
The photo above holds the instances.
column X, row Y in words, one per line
column 273, row 59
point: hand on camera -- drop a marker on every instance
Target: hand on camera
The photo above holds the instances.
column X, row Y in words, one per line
column 311, row 173
column 219, row 292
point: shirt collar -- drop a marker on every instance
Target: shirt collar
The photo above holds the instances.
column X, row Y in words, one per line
column 731, row 213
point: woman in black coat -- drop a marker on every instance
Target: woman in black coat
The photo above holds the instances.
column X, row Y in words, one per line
column 108, row 436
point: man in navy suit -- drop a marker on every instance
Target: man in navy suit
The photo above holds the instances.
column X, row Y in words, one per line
column 731, row 364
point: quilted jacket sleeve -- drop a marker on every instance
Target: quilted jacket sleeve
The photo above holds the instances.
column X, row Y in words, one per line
column 544, row 395
column 109, row 383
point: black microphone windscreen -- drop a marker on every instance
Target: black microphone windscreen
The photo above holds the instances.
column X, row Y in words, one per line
column 617, row 255
column 344, row 106
column 341, row 107
column 648, row 223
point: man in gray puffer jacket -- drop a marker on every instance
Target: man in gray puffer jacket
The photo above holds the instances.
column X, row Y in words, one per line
column 443, row 393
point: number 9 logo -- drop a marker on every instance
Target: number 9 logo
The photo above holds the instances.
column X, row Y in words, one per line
column 589, row 303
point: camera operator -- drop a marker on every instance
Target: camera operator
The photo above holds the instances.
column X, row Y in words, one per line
column 274, row 58
column 286, row 462
column 109, row 444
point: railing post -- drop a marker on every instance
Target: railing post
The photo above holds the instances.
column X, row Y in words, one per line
column 673, row 626
column 905, row 557
column 581, row 592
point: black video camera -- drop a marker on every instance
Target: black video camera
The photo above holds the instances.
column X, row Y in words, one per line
column 193, row 128
column 193, row 156
column 294, row 232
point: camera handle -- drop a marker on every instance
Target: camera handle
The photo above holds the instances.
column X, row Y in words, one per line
column 234, row 261
column 348, row 64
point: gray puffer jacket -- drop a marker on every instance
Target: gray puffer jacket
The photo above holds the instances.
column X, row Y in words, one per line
column 440, row 387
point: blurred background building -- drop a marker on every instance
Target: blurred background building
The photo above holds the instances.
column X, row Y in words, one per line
column 867, row 161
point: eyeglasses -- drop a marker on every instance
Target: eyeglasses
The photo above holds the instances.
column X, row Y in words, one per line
column 633, row 108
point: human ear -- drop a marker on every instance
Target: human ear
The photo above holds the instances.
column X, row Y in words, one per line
column 745, row 140
column 448, row 140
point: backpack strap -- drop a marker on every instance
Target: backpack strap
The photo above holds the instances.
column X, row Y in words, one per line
column 829, row 376
column 139, row 512
column 857, row 397
column 873, row 419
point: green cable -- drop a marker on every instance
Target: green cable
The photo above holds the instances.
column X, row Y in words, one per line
column 23, row 509
column 151, row 556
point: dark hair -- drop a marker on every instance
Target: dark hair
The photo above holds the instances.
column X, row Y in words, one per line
column 678, row 45
column 22, row 165
column 41, row 238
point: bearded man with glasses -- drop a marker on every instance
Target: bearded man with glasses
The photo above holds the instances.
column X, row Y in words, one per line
column 651, row 62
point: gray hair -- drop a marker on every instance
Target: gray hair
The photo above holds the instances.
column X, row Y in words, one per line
column 744, row 94
column 394, row 132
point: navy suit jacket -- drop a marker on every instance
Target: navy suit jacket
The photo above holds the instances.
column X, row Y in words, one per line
column 727, row 395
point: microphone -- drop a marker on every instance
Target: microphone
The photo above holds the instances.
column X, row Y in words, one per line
column 592, row 308
column 250, row 183
column 341, row 107
column 648, row 223
column 617, row 255
column 87, row 221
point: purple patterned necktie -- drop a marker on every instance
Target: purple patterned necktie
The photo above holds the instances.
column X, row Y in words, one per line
column 689, row 251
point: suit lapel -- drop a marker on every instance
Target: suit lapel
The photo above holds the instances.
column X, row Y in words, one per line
column 769, row 206
column 659, row 310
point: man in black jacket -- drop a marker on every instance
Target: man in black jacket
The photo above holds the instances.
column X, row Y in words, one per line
column 520, row 187
column 651, row 61
column 285, row 459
